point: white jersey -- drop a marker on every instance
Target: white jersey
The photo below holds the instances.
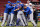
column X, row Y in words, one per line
column 28, row 5
column 31, row 15
column 30, row 8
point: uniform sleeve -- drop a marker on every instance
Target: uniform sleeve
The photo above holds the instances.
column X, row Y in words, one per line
column 16, row 7
column 30, row 12
column 27, row 10
column 13, row 8
column 22, row 5
column 9, row 6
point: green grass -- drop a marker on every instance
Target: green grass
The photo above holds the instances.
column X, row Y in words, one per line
column 29, row 25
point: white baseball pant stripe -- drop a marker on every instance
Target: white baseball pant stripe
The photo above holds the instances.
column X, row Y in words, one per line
column 5, row 16
column 12, row 16
column 8, row 21
column 31, row 19
column 20, row 17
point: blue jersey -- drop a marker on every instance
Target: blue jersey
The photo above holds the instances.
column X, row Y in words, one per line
column 18, row 6
column 8, row 8
column 27, row 11
column 12, row 11
column 22, row 5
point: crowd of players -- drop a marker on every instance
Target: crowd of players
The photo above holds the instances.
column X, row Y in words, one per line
column 23, row 12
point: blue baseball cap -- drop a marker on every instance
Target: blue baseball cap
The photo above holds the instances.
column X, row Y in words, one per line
column 9, row 2
column 15, row 3
column 18, row 1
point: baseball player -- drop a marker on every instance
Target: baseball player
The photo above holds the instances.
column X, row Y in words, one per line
column 31, row 15
column 27, row 11
column 22, row 7
column 9, row 16
column 19, row 17
column 6, row 12
column 12, row 16
column 13, row 13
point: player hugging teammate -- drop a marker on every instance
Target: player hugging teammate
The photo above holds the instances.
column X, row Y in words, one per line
column 23, row 11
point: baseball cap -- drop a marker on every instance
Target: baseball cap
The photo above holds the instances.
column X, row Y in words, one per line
column 18, row 1
column 9, row 2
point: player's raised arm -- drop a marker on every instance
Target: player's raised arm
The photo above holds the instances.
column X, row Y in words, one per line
column 16, row 9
